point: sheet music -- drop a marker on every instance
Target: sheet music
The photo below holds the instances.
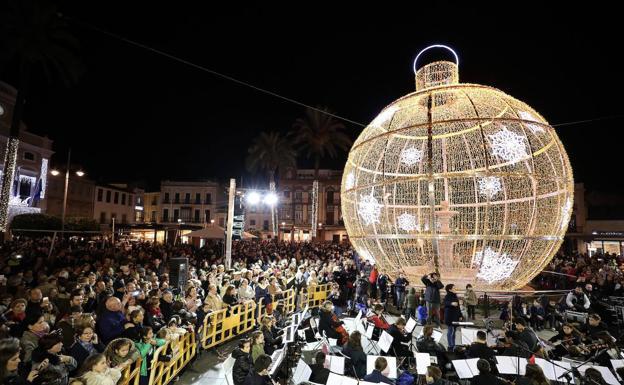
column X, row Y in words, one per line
column 509, row 365
column 560, row 371
column 369, row 331
column 276, row 359
column 423, row 360
column 302, row 372
column 464, row 368
column 390, row 371
column 606, row 373
column 296, row 318
column 336, row 379
column 289, row 335
column 332, row 341
column 468, row 336
column 617, row 364
column 385, row 341
column 410, row 325
column 335, row 364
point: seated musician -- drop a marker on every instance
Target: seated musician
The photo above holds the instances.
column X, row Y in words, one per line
column 426, row 344
column 353, row 349
column 377, row 317
column 319, row 372
column 330, row 326
column 401, row 339
column 513, row 346
column 485, row 376
column 376, row 376
column 533, row 376
column 525, row 334
column 260, row 374
column 479, row 348
column 271, row 340
column 577, row 300
column 594, row 327
column 568, row 335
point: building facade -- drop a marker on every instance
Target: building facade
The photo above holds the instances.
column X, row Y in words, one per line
column 31, row 173
column 186, row 202
column 295, row 206
column 80, row 193
column 119, row 202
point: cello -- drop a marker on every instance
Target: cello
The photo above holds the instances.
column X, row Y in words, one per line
column 340, row 329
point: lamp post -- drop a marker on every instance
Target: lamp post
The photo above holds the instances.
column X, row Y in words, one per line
column 79, row 173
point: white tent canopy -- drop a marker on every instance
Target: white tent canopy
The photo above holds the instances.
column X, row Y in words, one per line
column 214, row 232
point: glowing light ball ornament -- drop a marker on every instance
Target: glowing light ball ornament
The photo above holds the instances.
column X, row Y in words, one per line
column 459, row 178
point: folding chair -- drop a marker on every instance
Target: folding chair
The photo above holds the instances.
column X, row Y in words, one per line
column 228, row 366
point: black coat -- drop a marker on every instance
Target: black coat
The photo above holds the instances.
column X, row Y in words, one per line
column 80, row 353
column 451, row 313
column 319, row 373
column 269, row 341
column 358, row 360
column 486, row 379
column 256, row 379
column 432, row 292
column 377, row 377
column 243, row 366
column 328, row 325
column 398, row 347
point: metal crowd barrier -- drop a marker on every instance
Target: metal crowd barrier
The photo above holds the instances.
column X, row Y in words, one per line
column 182, row 351
column 225, row 324
column 130, row 375
column 315, row 298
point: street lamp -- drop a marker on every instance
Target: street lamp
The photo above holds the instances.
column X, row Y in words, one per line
column 56, row 173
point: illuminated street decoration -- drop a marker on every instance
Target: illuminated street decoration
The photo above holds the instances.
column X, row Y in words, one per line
column 468, row 181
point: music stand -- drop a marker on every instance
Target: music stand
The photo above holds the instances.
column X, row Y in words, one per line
column 372, row 343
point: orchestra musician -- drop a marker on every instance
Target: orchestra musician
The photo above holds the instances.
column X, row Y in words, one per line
column 533, row 376
column 568, row 335
column 330, row 325
column 485, row 376
column 594, row 327
column 427, row 344
column 319, row 372
column 260, row 374
column 376, row 376
column 401, row 340
column 525, row 334
column 480, row 349
column 513, row 346
column 377, row 317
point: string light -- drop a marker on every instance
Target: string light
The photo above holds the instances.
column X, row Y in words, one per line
column 369, row 209
column 489, row 186
column 407, row 222
column 411, row 156
column 7, row 188
column 483, row 144
column 508, row 145
column 44, row 176
column 314, row 219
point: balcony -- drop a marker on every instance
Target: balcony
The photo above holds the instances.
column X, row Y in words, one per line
column 166, row 201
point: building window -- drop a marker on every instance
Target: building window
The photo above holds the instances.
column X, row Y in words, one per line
column 100, row 194
column 29, row 156
column 196, row 218
column 124, row 218
column 166, row 198
column 123, row 199
column 176, row 215
column 102, row 218
column 165, row 215
column 298, row 195
column 221, row 221
column 177, row 198
column 187, row 198
column 330, row 197
column 286, row 194
column 154, row 219
column 207, row 215
column 197, row 198
column 108, row 196
column 265, row 225
column 252, row 222
column 116, row 200
column 208, row 199
column 130, row 200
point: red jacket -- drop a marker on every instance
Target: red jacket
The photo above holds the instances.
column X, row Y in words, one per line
column 373, row 276
column 378, row 322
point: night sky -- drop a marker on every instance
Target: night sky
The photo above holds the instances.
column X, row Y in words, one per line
column 137, row 115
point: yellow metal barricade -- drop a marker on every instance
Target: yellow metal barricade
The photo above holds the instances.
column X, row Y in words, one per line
column 318, row 295
column 130, row 375
column 223, row 325
column 288, row 298
column 181, row 351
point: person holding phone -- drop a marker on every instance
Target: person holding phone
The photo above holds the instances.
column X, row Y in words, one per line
column 9, row 363
column 86, row 344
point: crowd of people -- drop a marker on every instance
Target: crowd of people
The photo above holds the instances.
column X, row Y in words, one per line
column 82, row 311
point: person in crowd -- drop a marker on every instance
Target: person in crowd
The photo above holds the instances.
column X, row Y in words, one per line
column 538, row 315
column 243, row 366
column 400, row 287
column 213, row 299
column 480, row 349
column 432, row 297
column 95, row 371
column 525, row 334
column 452, row 314
column 35, row 328
column 353, row 349
column 230, row 298
column 49, row 350
column 10, row 363
column 319, row 372
column 192, row 300
column 411, row 304
column 146, row 347
column 257, row 344
column 260, row 375
column 111, row 322
column 434, row 377
column 121, row 352
column 86, row 344
column 377, row 375
column 470, row 300
column 246, row 292
column 577, row 299
column 271, row 342
column 166, row 304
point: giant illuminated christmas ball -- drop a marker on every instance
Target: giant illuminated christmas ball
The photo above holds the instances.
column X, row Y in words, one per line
column 460, row 178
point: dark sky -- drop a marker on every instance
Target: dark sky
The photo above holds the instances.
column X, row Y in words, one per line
column 138, row 115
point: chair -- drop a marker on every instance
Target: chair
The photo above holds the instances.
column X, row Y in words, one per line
column 228, row 366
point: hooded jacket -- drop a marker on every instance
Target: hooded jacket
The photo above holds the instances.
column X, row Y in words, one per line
column 243, row 366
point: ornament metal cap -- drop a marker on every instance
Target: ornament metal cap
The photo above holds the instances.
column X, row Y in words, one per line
column 437, row 73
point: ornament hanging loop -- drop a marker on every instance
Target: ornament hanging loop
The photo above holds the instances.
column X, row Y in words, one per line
column 435, row 46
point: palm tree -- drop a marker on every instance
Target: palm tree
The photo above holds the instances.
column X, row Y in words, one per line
column 319, row 134
column 270, row 152
column 34, row 37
